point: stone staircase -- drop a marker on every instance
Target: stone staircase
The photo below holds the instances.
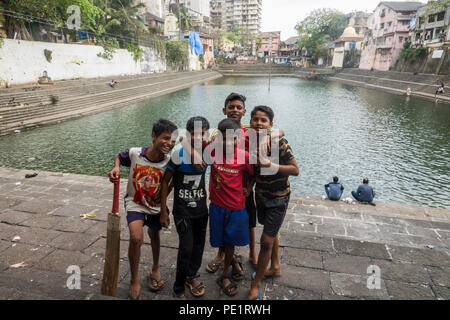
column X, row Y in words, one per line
column 27, row 107
column 422, row 85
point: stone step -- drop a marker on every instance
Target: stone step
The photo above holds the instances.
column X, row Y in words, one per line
column 39, row 97
column 29, row 111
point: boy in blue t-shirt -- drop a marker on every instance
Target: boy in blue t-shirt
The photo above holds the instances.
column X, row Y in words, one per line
column 190, row 210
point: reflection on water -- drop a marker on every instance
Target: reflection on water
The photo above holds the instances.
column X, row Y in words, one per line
column 401, row 145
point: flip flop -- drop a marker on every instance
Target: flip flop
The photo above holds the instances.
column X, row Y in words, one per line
column 236, row 274
column 197, row 291
column 253, row 264
column 131, row 298
column 266, row 276
column 215, row 266
column 153, row 284
column 226, row 289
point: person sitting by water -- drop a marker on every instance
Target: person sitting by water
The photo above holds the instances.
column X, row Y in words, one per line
column 112, row 83
column 334, row 189
column 440, row 90
column 408, row 91
column 365, row 193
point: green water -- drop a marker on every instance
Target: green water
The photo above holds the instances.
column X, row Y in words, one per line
column 334, row 129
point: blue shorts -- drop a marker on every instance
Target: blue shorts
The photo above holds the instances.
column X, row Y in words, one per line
column 228, row 226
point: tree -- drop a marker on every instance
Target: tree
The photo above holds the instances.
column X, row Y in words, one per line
column 319, row 27
column 184, row 21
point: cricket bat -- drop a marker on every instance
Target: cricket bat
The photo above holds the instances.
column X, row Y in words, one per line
column 112, row 254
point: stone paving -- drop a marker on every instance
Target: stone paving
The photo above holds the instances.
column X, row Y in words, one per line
column 326, row 247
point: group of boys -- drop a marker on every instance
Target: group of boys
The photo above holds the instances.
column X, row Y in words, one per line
column 234, row 206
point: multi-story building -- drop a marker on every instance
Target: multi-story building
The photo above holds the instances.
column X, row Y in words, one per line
column 387, row 33
column 430, row 26
column 290, row 47
column 218, row 14
column 245, row 14
column 153, row 14
column 270, row 45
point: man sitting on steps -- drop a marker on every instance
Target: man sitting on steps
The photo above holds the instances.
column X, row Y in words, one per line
column 365, row 193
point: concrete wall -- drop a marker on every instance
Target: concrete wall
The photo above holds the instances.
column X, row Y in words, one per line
column 24, row 62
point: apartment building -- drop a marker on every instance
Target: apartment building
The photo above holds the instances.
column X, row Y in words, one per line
column 430, row 27
column 245, row 14
column 387, row 33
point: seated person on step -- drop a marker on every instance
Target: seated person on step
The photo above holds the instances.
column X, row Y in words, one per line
column 334, row 190
column 365, row 193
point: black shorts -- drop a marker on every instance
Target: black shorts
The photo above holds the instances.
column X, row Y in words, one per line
column 250, row 205
column 271, row 214
column 151, row 221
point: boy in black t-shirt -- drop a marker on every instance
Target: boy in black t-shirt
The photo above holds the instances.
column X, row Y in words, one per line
column 190, row 209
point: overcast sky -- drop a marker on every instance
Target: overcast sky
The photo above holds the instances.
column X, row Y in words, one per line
column 283, row 15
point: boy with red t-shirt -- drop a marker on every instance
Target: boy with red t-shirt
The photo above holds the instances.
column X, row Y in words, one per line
column 227, row 213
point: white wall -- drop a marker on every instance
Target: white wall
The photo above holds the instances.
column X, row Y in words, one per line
column 24, row 62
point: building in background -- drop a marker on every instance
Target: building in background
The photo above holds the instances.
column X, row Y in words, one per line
column 388, row 31
column 245, row 14
column 290, row 48
column 218, row 15
column 270, row 45
column 430, row 26
column 347, row 46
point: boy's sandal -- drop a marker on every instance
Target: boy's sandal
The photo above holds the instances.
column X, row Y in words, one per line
column 197, row 291
column 212, row 266
column 253, row 264
column 131, row 298
column 236, row 274
column 228, row 290
column 153, row 284
column 266, row 276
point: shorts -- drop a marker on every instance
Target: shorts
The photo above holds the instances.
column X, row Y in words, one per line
column 250, row 206
column 271, row 213
column 150, row 220
column 228, row 226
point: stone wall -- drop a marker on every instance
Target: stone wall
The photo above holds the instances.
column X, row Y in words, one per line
column 24, row 62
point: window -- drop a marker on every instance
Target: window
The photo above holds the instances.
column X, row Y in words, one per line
column 382, row 26
column 431, row 18
column 383, row 13
column 441, row 16
column 400, row 39
column 389, row 23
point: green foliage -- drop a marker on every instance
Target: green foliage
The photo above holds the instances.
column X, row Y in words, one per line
column 258, row 43
column 48, row 55
column 136, row 51
column 109, row 47
column 1, row 42
column 320, row 26
column 184, row 22
column 411, row 55
column 177, row 54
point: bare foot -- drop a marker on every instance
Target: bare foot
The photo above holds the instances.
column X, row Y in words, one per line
column 273, row 272
column 135, row 289
column 254, row 293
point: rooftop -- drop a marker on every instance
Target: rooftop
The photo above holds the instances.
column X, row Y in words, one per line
column 402, row 6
